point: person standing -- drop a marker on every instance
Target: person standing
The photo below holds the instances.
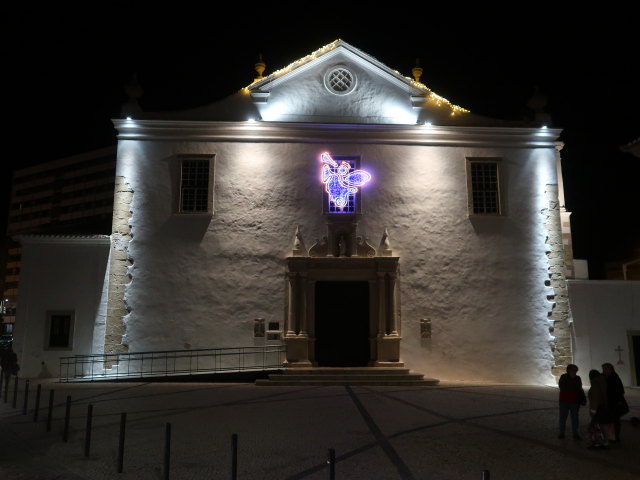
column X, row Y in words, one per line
column 9, row 364
column 615, row 398
column 601, row 416
column 570, row 398
column 4, row 365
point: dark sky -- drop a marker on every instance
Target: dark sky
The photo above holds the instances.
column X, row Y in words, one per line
column 65, row 68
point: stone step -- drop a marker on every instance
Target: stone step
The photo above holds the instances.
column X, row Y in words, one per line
column 351, row 376
column 347, row 371
column 324, row 376
column 319, row 382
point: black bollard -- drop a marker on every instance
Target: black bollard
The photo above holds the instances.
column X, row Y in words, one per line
column 331, row 460
column 67, row 416
column 15, row 392
column 50, row 412
column 485, row 475
column 234, row 456
column 123, row 422
column 167, row 451
column 6, row 387
column 87, row 431
column 36, row 409
column 26, row 397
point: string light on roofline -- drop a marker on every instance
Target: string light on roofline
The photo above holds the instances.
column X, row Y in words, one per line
column 331, row 46
column 432, row 95
column 297, row 63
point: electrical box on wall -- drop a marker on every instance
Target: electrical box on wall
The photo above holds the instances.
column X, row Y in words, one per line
column 273, row 332
column 258, row 328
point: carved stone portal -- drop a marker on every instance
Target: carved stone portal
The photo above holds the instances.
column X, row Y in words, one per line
column 343, row 256
column 382, row 275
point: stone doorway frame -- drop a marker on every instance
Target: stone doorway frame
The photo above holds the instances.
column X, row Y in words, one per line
column 383, row 276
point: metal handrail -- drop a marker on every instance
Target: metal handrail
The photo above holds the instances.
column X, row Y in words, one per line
column 164, row 363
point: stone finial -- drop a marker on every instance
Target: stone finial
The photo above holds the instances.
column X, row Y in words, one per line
column 536, row 104
column 320, row 248
column 363, row 248
column 416, row 71
column 299, row 249
column 259, row 66
column 134, row 91
column 385, row 246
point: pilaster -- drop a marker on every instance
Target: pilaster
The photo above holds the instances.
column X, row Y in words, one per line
column 119, row 264
column 559, row 314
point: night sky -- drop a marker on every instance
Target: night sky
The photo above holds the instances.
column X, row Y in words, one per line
column 67, row 66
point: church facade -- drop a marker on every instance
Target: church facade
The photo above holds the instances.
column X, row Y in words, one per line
column 365, row 220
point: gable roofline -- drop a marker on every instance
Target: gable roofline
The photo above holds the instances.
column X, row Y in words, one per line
column 304, row 63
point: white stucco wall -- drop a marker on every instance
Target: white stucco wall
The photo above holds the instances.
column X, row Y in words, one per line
column 604, row 313
column 199, row 281
column 59, row 274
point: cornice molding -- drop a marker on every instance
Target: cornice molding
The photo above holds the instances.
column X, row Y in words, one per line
column 269, row 132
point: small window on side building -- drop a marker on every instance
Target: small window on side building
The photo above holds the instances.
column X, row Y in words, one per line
column 196, row 184
column 483, row 185
column 59, row 331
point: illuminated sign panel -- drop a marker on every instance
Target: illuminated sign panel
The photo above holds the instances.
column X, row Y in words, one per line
column 341, row 182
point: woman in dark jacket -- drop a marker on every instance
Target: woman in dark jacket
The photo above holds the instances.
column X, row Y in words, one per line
column 601, row 415
column 615, row 396
column 570, row 398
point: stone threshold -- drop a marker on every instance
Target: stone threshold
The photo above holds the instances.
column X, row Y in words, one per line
column 364, row 376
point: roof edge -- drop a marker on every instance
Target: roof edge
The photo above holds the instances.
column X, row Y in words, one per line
column 257, row 84
column 259, row 131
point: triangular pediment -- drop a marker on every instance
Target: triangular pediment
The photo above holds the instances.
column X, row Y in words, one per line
column 340, row 83
column 337, row 52
column 336, row 84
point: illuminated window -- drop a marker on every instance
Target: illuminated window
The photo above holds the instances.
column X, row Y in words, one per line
column 59, row 331
column 341, row 177
column 196, row 184
column 483, row 182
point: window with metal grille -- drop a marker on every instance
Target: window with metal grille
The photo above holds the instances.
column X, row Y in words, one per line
column 352, row 198
column 484, row 187
column 195, row 185
column 340, row 81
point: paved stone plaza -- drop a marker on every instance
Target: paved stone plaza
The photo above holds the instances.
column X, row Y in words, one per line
column 451, row 431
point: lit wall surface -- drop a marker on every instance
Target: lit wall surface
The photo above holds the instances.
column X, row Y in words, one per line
column 605, row 312
column 60, row 274
column 201, row 280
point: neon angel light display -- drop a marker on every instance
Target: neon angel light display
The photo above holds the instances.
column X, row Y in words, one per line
column 341, row 183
